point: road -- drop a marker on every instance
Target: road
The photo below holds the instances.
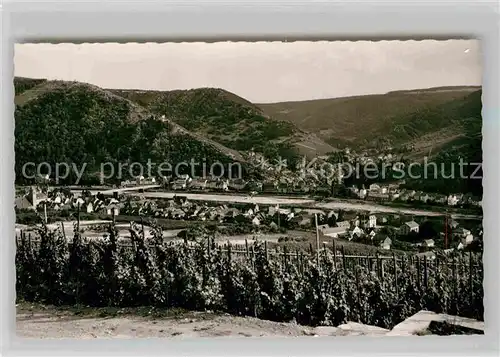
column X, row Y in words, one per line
column 123, row 229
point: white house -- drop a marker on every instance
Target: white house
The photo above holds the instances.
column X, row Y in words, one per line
column 334, row 232
column 249, row 213
column 78, row 202
column 322, row 227
column 256, row 221
column 409, row 227
column 198, row 184
column 386, row 243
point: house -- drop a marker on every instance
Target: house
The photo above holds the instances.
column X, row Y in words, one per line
column 386, row 243
column 79, row 202
column 428, row 243
column 441, row 199
column 468, row 239
column 357, row 233
column 198, row 184
column 409, row 227
column 344, row 224
column 323, row 227
column 113, row 209
column 249, row 213
column 374, row 188
column 256, row 221
column 303, row 221
column 232, row 212
column 334, row 232
column 394, row 196
column 88, row 207
column 425, row 197
column 237, row 185
column 462, row 232
column 431, row 255
column 179, row 184
column 333, row 213
column 180, row 200
column 127, row 183
column 222, row 185
column 453, row 224
column 273, row 210
column 372, row 234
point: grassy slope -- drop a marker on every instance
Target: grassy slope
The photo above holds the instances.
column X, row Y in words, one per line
column 356, row 121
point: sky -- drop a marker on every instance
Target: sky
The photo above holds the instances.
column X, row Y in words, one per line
column 261, row 72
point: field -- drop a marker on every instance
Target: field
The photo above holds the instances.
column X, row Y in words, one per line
column 322, row 288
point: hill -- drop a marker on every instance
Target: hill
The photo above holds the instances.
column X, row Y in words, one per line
column 78, row 123
column 370, row 121
column 229, row 119
column 22, row 84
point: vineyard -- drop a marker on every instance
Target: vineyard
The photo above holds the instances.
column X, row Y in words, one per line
column 322, row 287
